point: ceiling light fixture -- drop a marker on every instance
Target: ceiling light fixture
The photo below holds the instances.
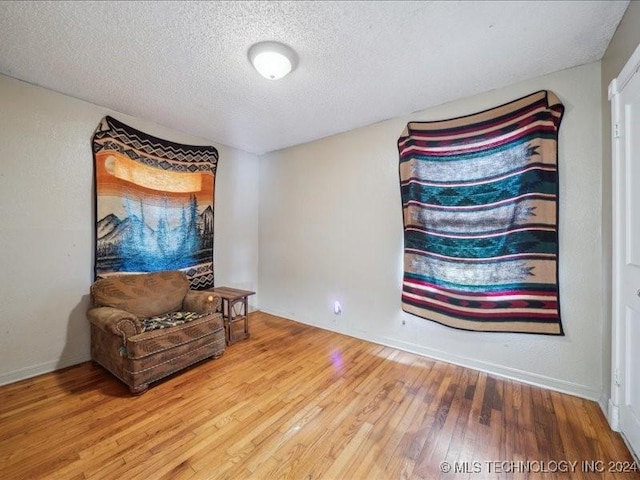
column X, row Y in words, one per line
column 272, row 60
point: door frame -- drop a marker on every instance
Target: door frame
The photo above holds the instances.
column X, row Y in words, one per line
column 617, row 342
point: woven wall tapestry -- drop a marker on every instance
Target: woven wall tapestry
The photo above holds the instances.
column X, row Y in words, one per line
column 480, row 209
column 154, row 204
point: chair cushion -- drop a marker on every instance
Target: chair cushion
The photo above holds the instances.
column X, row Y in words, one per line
column 169, row 320
column 155, row 341
column 145, row 294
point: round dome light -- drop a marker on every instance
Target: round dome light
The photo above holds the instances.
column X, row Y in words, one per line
column 272, row 60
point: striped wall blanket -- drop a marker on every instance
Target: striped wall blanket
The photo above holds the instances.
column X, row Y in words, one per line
column 480, row 210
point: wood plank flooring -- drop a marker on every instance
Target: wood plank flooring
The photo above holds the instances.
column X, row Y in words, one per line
column 297, row 402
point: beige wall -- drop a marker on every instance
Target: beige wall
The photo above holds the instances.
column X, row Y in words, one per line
column 622, row 45
column 331, row 229
column 47, row 224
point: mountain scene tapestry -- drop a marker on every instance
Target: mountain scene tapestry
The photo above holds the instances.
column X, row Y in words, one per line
column 154, row 204
column 480, row 211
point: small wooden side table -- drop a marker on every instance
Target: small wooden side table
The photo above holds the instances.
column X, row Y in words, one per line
column 235, row 308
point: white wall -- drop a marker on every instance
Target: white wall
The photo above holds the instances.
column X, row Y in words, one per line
column 331, row 228
column 47, row 224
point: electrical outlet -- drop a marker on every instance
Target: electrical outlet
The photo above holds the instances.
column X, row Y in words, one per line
column 337, row 308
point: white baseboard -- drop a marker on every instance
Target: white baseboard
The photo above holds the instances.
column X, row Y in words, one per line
column 46, row 367
column 529, row 378
column 611, row 411
column 613, row 415
column 523, row 376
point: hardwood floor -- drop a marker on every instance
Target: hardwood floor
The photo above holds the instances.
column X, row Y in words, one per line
column 298, row 402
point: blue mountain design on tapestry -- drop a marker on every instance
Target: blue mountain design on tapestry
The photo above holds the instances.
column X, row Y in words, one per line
column 154, row 204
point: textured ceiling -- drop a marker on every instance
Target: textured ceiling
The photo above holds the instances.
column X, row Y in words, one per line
column 184, row 64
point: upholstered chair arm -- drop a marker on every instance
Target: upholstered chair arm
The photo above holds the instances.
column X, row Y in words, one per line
column 116, row 321
column 201, row 302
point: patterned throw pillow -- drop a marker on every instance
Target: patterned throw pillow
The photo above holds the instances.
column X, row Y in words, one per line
column 169, row 320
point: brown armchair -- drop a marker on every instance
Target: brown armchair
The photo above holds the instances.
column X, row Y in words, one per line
column 150, row 325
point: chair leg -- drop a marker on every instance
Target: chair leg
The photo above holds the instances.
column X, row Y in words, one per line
column 140, row 389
